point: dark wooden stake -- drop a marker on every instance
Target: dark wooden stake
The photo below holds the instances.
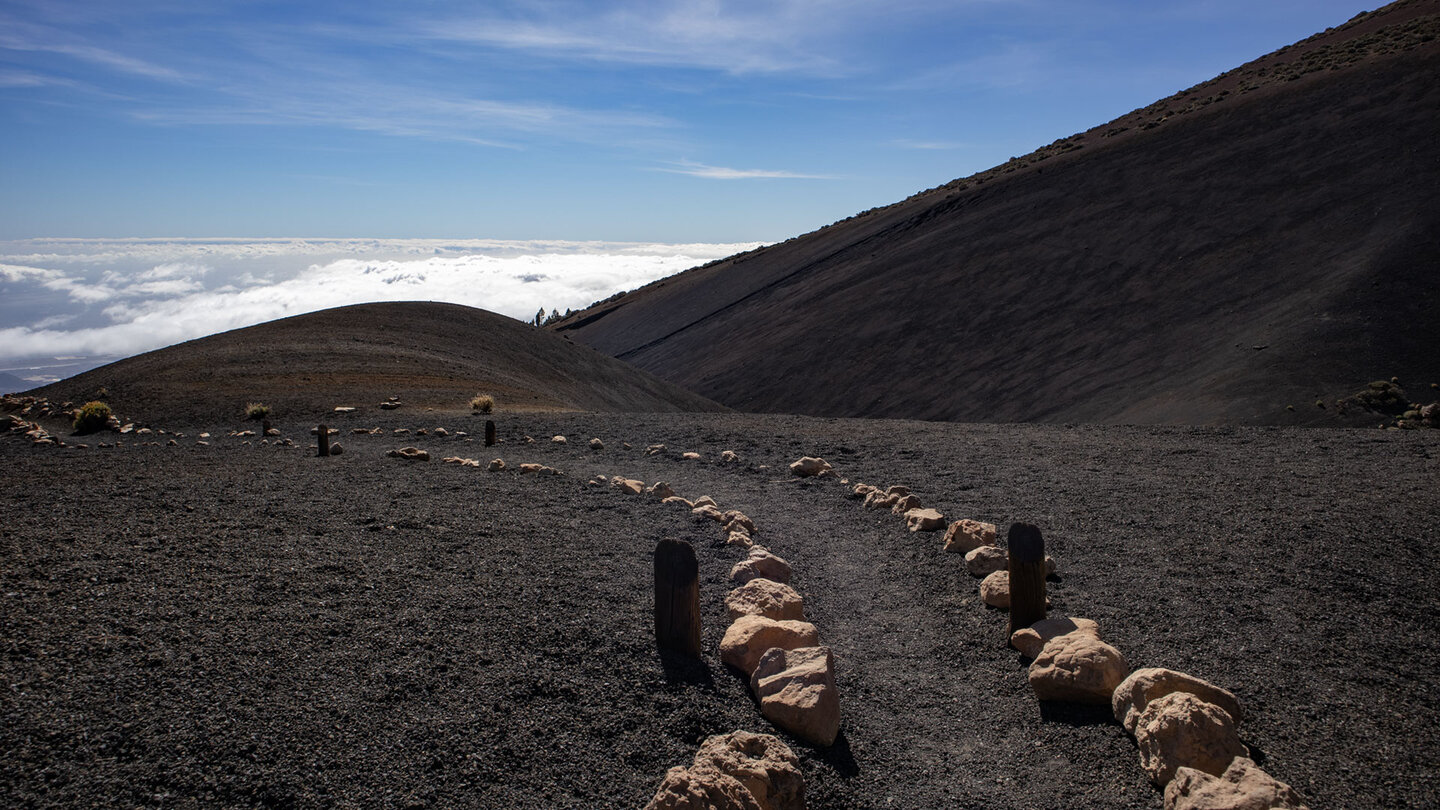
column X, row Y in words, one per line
column 1027, row 576
column 323, row 434
column 489, row 433
column 677, row 597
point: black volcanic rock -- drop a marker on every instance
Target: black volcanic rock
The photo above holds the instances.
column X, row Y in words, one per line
column 1266, row 239
column 430, row 355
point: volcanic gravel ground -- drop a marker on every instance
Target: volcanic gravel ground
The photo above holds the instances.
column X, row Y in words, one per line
column 248, row 625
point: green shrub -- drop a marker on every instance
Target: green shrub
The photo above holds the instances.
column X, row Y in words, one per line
column 482, row 403
column 257, row 411
column 92, row 416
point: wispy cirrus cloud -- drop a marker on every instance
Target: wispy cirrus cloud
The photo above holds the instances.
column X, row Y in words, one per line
column 725, row 173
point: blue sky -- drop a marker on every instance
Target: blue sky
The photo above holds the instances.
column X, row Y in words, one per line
column 629, row 121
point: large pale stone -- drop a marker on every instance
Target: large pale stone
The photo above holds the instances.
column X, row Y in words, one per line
column 760, row 563
column 808, row 466
column 764, row 597
column 701, row 789
column 964, row 536
column 679, row 500
column 761, row 762
column 1144, row 685
column 995, row 589
column 740, row 538
column 750, row 636
column 654, row 449
column 878, row 499
column 1078, row 668
column 705, row 500
column 924, row 520
column 529, row 468
column 735, row 771
column 797, row 692
column 862, row 490
column 557, row 439
column 661, row 490
column 706, row 511
column 1179, row 730
column 631, row 486
column 734, row 518
column 497, row 464
column 596, row 444
column 986, row 560
column 1243, row 786
column 904, row 504
column 410, row 454
column 1031, row 640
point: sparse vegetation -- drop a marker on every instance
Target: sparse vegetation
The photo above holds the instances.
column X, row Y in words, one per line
column 482, row 403
column 256, row 411
column 93, row 416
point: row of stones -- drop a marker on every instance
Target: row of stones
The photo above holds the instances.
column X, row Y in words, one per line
column 1185, row 728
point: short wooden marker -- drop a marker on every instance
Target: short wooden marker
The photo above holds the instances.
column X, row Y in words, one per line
column 1027, row 576
column 489, row 433
column 323, row 435
column 677, row 597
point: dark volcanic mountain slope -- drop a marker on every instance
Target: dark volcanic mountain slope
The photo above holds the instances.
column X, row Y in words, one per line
column 1265, row 239
column 428, row 354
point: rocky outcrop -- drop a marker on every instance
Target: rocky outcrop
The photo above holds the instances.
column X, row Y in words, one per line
column 797, row 692
column 750, row 636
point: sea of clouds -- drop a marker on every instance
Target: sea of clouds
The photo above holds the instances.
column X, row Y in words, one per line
column 67, row 305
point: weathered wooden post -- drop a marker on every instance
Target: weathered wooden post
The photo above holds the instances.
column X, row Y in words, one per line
column 489, row 433
column 323, row 435
column 1027, row 576
column 677, row 597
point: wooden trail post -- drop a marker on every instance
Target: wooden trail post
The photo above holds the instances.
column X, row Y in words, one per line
column 1027, row 576
column 677, row 597
column 489, row 433
column 323, row 435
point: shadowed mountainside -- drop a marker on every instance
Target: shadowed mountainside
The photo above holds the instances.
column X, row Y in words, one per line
column 1267, row 238
column 428, row 354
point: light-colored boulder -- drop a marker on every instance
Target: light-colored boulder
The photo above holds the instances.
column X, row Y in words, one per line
column 734, row 519
column 1243, row 786
column 905, row 503
column 677, row 499
column 654, row 449
column 1144, row 685
column 878, row 499
column 964, row 536
column 1077, row 668
column 861, row 490
column 630, row 486
column 760, row 563
column 985, row 560
column 1031, row 640
column 440, row 431
column 706, row 511
column 526, row 469
column 337, row 449
column 557, row 440
column 497, row 464
column 701, row 789
column 729, row 456
column 410, row 454
column 706, row 499
column 598, row 481
column 735, row 770
column 797, row 692
column 995, row 589
column 1179, row 730
column 897, row 490
column 808, row 467
column 750, row 636
column 740, row 538
column 924, row 520
column 661, row 490
column 691, row 456
column 596, row 444
column 765, row 597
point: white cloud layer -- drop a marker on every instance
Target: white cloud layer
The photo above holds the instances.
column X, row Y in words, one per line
column 123, row 297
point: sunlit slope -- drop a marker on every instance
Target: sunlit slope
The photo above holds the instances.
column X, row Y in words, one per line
column 1263, row 240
